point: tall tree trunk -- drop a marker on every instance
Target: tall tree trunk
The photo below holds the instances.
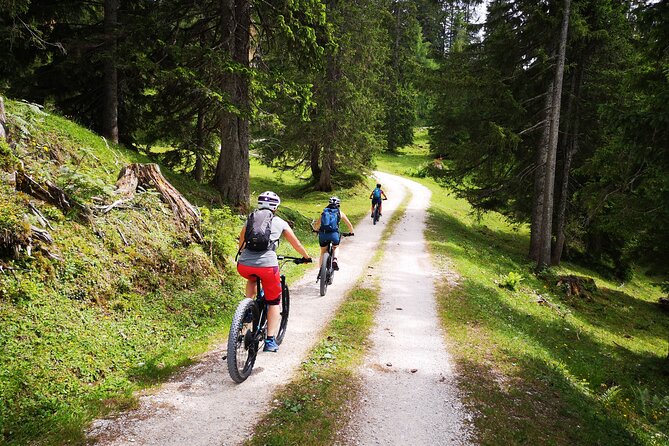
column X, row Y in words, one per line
column 328, row 151
column 549, row 179
column 315, row 152
column 232, row 170
column 327, row 164
column 539, row 178
column 571, row 147
column 110, row 83
column 198, row 171
column 3, row 121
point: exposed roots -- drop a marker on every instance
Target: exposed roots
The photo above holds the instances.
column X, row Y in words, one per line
column 141, row 176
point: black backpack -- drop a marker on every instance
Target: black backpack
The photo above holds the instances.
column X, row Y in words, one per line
column 258, row 230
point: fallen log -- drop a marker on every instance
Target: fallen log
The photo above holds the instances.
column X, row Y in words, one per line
column 42, row 219
column 141, row 176
column 49, row 193
column 40, row 234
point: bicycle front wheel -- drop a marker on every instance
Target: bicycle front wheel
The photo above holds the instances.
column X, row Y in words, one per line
column 324, row 273
column 242, row 340
column 285, row 307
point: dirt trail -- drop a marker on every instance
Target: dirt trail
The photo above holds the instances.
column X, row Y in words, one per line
column 201, row 406
column 409, row 395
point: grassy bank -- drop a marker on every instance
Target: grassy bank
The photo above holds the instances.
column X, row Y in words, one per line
column 537, row 366
column 118, row 304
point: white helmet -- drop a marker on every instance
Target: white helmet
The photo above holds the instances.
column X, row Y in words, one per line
column 268, row 200
column 335, row 201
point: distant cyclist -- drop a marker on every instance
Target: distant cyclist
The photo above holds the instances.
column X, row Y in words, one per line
column 258, row 242
column 376, row 198
column 328, row 229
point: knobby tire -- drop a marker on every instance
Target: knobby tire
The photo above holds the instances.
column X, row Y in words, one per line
column 285, row 308
column 376, row 213
column 324, row 273
column 242, row 347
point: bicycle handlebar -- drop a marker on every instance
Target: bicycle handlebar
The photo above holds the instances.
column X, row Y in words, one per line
column 343, row 234
column 296, row 260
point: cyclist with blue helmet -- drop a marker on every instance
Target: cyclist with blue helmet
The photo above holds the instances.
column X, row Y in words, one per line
column 375, row 196
column 328, row 228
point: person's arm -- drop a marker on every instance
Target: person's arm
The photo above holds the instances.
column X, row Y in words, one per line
column 316, row 224
column 295, row 243
column 371, row 195
column 384, row 194
column 347, row 221
column 242, row 235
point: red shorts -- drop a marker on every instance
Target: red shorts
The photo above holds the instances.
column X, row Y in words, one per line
column 269, row 276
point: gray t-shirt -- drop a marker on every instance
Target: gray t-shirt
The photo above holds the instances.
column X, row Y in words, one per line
column 265, row 258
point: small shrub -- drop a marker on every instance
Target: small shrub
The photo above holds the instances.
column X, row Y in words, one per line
column 654, row 407
column 220, row 228
column 81, row 187
column 7, row 158
column 610, row 395
column 664, row 286
column 123, row 284
column 511, row 281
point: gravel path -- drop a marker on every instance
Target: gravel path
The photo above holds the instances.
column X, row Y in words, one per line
column 409, row 395
column 201, row 406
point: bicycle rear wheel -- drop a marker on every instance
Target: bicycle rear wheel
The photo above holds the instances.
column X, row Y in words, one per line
column 285, row 308
column 324, row 276
column 242, row 340
column 376, row 213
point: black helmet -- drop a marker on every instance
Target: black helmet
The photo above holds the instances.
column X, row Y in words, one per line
column 378, row 185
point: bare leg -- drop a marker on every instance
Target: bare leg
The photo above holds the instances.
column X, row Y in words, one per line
column 251, row 288
column 273, row 319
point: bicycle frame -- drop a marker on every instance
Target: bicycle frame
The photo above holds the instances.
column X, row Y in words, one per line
column 260, row 332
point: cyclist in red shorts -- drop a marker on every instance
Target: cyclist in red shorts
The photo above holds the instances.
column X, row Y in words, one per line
column 258, row 242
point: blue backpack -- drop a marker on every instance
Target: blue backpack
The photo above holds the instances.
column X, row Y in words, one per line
column 330, row 220
column 376, row 193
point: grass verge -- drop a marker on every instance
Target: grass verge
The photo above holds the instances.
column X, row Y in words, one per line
column 317, row 404
column 123, row 303
column 536, row 366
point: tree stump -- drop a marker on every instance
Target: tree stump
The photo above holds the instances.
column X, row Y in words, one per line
column 578, row 286
column 663, row 302
column 148, row 175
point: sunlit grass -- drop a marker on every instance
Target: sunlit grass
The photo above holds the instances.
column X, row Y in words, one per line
column 564, row 371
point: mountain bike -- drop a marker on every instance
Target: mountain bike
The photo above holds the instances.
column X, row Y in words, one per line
column 249, row 327
column 376, row 212
column 326, row 272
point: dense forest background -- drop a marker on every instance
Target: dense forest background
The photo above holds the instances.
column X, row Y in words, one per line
column 553, row 113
